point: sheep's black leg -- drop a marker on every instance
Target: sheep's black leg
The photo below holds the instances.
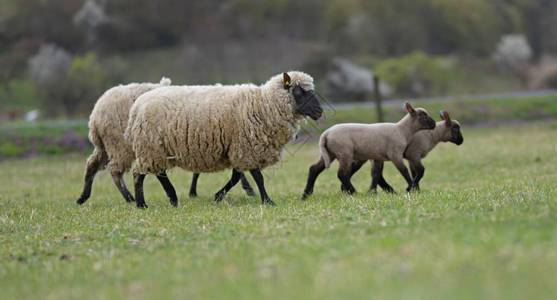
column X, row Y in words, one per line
column 258, row 177
column 246, row 186
column 314, row 171
column 138, row 185
column 344, row 174
column 399, row 164
column 118, row 178
column 376, row 173
column 193, row 186
column 356, row 166
column 230, row 184
column 168, row 188
column 95, row 162
column 378, row 179
column 385, row 186
column 420, row 170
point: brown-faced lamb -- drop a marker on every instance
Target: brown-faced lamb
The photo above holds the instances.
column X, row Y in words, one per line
column 212, row 128
column 352, row 142
column 421, row 144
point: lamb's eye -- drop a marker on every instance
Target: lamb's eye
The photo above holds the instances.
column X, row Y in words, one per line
column 297, row 91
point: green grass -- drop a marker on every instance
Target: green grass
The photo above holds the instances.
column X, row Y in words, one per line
column 484, row 226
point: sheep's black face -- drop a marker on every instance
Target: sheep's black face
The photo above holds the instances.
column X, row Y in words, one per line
column 456, row 135
column 307, row 103
column 425, row 120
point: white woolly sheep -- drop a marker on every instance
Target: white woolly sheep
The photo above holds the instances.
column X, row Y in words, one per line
column 356, row 142
column 107, row 124
column 212, row 128
column 421, row 144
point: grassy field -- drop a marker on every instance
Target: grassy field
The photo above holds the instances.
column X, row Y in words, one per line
column 484, row 226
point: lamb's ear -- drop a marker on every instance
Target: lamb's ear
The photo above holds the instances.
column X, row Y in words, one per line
column 446, row 117
column 286, row 81
column 409, row 108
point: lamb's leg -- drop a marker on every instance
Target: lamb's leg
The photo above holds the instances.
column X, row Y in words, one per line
column 95, row 162
column 344, row 174
column 399, row 164
column 193, row 186
column 118, row 178
column 314, row 171
column 378, row 179
column 420, row 170
column 230, row 184
column 356, row 166
column 138, row 186
column 258, row 177
column 246, row 186
column 168, row 188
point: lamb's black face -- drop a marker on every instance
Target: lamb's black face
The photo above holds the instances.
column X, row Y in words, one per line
column 307, row 103
column 456, row 135
column 425, row 120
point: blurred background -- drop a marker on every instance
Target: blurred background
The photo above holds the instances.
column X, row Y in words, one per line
column 58, row 56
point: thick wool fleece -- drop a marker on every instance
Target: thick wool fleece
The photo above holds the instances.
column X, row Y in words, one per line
column 109, row 119
column 215, row 127
column 425, row 140
column 380, row 141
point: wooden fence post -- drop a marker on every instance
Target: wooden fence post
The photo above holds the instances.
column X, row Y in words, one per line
column 378, row 99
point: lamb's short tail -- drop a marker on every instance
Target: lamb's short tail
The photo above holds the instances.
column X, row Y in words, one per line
column 165, row 81
column 323, row 149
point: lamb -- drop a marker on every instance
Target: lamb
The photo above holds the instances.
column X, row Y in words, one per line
column 211, row 128
column 359, row 142
column 107, row 124
column 421, row 144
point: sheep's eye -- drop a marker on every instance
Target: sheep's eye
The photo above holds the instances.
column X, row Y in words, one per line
column 297, row 91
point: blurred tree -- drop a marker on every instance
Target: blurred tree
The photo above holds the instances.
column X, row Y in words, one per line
column 416, row 74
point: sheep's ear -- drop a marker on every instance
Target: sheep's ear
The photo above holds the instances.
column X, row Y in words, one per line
column 409, row 108
column 286, row 81
column 446, row 117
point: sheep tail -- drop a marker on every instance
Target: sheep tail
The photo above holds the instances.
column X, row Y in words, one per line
column 165, row 81
column 323, row 149
column 95, row 138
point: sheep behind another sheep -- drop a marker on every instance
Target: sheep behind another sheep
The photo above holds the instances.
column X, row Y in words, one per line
column 107, row 124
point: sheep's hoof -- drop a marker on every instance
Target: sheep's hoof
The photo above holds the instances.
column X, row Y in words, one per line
column 80, row 201
column 193, row 194
column 269, row 202
column 390, row 191
column 219, row 196
column 174, row 202
column 250, row 193
column 305, row 196
column 130, row 199
column 142, row 205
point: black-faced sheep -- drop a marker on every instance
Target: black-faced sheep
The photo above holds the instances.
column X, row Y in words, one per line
column 352, row 142
column 212, row 128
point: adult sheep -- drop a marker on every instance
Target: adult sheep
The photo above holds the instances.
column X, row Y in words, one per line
column 211, row 128
column 107, row 124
